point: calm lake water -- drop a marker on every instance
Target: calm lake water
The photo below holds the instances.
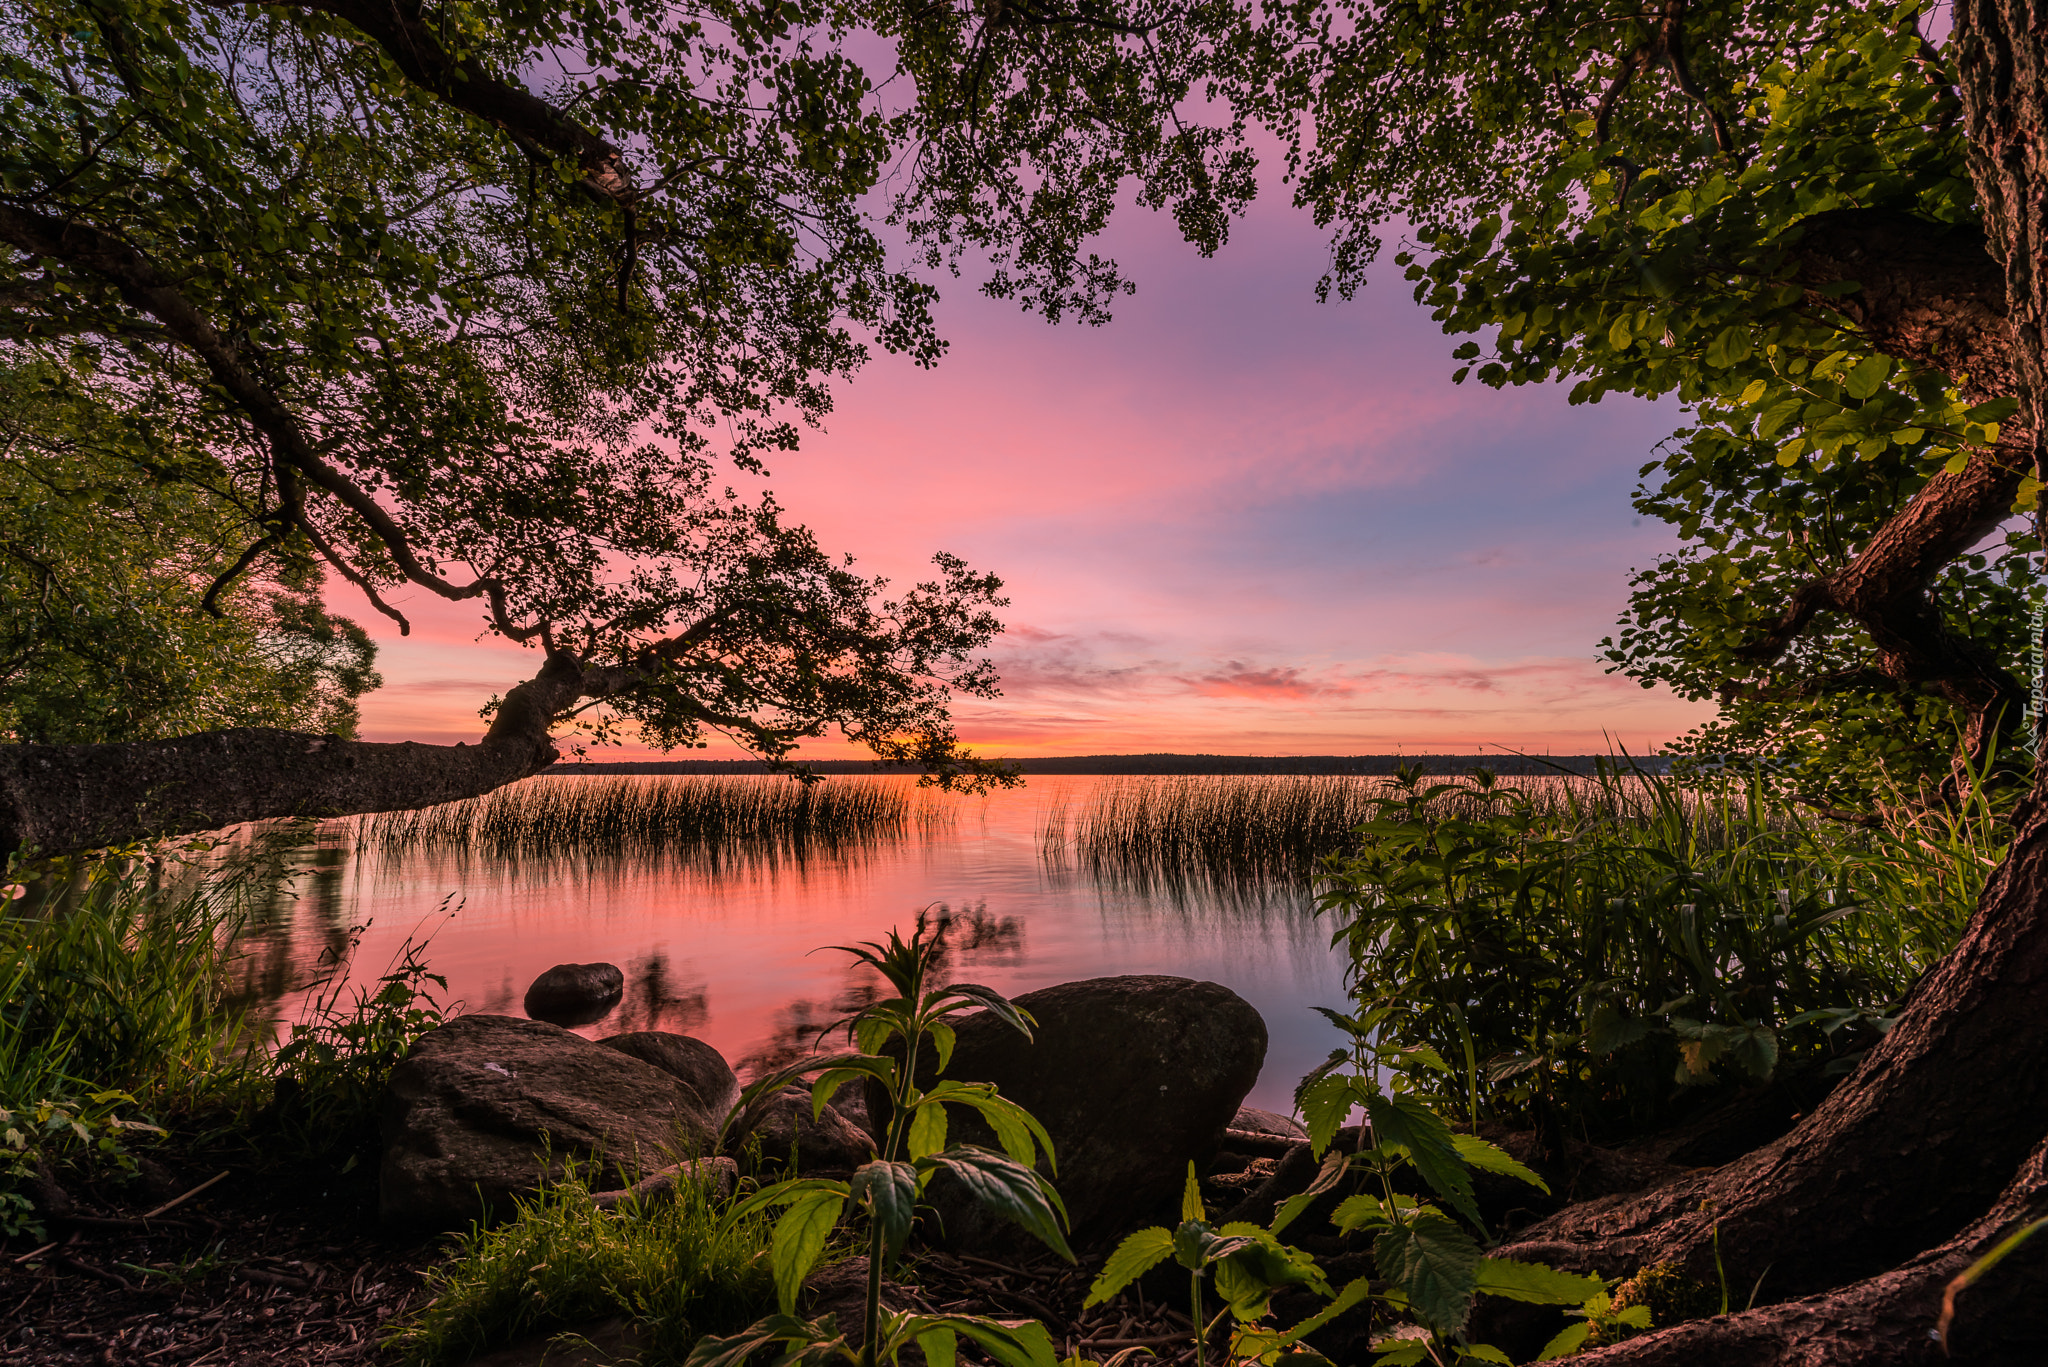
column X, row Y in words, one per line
column 732, row 954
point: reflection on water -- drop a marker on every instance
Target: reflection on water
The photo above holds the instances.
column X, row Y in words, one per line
column 735, row 951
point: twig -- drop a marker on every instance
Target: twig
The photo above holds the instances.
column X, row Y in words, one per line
column 1155, row 1341
column 81, row 1266
column 992, row 1263
column 38, row 1252
column 181, row 1200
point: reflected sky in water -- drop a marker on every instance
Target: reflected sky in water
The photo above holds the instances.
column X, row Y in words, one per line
column 732, row 955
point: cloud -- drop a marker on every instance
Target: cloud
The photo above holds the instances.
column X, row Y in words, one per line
column 1274, row 683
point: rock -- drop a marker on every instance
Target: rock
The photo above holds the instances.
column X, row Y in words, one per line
column 1132, row 1077
column 720, row 1175
column 467, row 1114
column 782, row 1121
column 575, row 994
column 1252, row 1120
column 841, row 1291
column 691, row 1062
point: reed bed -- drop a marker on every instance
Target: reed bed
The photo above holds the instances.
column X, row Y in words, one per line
column 1237, row 838
column 712, row 821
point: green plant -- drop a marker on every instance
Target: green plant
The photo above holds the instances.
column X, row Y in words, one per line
column 676, row 1267
column 1430, row 1266
column 46, row 1133
column 1590, row 962
column 890, row 1037
column 330, row 1075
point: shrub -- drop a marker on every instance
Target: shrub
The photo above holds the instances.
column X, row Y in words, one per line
column 1600, row 963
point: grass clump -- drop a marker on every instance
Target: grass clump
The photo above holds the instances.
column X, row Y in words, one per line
column 703, row 820
column 674, row 1268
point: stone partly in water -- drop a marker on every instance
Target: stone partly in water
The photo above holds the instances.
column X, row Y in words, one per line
column 783, row 1125
column 1132, row 1078
column 575, row 994
column 481, row 1104
column 691, row 1062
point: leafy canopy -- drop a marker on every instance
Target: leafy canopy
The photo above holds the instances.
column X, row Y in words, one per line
column 475, row 298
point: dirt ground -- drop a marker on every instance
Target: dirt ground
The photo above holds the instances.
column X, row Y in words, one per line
column 259, row 1268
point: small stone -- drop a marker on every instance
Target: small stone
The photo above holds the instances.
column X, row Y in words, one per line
column 575, row 994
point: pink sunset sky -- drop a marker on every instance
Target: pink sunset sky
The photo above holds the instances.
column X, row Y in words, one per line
column 1233, row 521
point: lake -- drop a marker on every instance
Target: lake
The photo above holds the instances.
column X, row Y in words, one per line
column 729, row 949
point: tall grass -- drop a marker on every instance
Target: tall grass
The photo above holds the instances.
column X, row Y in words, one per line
column 705, row 821
column 118, row 980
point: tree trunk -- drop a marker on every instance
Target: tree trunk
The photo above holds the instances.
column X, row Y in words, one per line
column 1903, row 1154
column 58, row 798
column 1888, row 1320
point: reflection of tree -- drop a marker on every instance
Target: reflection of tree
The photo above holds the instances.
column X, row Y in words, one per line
column 653, row 1002
column 804, row 1026
column 974, row 936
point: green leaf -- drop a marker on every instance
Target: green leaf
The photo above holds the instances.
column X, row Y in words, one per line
column 1327, row 1177
column 1001, row 1007
column 1007, row 1187
column 799, row 1241
column 1134, row 1257
column 1867, row 376
column 1534, row 1282
column 1255, row 1342
column 1012, row 1343
column 891, row 1191
column 1484, row 1352
column 927, row 1129
column 1325, row 1104
column 1191, row 1197
column 1485, row 1157
column 1436, row 1263
column 1568, row 1341
column 1404, row 1353
column 939, row 1347
column 1406, row 1121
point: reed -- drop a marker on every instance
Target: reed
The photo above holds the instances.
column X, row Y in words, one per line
column 700, row 820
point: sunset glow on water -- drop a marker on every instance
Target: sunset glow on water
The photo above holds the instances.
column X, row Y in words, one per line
column 733, row 954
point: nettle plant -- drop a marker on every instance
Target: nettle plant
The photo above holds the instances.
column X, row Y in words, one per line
column 1429, row 1263
column 890, row 1037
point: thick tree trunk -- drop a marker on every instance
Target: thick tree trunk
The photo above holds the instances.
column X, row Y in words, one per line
column 59, row 798
column 1907, row 1151
column 1888, row 1320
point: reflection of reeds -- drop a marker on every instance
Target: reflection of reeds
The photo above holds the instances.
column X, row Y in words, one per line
column 707, row 821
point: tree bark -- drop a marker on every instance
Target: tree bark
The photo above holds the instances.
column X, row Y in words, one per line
column 1933, row 295
column 1887, row 1320
column 58, row 798
column 1907, row 1151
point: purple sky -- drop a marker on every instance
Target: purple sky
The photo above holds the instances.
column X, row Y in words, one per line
column 1234, row 520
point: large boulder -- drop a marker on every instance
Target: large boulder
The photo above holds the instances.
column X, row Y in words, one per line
column 484, row 1106
column 575, row 994
column 785, row 1129
column 689, row 1061
column 1131, row 1077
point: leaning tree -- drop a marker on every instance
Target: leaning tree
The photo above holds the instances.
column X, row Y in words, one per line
column 1819, row 224
column 471, row 299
